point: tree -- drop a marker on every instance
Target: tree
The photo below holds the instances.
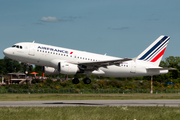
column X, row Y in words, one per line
column 172, row 62
column 2, row 67
column 14, row 66
column 38, row 69
column 10, row 65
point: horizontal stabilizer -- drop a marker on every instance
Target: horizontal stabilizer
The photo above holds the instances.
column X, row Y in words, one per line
column 160, row 68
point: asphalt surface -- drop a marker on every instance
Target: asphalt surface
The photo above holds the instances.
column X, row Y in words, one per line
column 61, row 103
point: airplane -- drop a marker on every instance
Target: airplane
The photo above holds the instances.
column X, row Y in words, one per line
column 58, row 60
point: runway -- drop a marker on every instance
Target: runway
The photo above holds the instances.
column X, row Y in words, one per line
column 62, row 103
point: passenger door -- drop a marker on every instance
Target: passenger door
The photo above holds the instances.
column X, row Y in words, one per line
column 32, row 49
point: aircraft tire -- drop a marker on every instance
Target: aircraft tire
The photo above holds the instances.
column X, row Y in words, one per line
column 87, row 81
column 75, row 81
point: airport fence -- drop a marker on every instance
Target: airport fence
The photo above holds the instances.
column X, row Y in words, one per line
column 86, row 91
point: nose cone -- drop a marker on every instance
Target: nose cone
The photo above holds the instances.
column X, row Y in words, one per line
column 6, row 52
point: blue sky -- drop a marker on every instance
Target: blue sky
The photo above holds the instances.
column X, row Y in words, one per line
column 121, row 28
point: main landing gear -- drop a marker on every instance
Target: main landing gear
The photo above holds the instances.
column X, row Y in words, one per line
column 75, row 81
column 85, row 80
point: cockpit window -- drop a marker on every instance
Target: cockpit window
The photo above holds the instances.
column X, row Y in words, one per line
column 17, row 46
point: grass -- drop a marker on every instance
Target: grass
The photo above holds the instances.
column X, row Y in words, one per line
column 90, row 113
column 40, row 97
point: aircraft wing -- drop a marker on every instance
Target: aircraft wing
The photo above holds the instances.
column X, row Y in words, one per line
column 97, row 64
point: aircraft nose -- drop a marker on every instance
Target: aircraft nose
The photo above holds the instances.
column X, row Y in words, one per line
column 6, row 52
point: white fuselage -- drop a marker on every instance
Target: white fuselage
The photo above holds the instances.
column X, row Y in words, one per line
column 44, row 55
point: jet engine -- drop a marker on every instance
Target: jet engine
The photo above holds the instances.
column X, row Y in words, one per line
column 67, row 68
column 64, row 67
column 50, row 70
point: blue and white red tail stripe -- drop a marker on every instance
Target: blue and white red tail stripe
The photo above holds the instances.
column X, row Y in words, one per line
column 155, row 51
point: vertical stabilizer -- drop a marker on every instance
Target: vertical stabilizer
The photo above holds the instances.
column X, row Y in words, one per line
column 155, row 51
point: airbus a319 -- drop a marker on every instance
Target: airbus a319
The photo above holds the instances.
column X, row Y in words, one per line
column 58, row 60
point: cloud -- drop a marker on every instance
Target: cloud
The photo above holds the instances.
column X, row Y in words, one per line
column 64, row 19
column 49, row 19
column 120, row 28
column 38, row 23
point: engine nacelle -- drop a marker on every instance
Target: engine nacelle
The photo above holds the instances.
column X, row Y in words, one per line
column 67, row 68
column 64, row 67
column 50, row 70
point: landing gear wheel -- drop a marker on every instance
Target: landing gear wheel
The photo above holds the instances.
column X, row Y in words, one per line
column 75, row 81
column 87, row 81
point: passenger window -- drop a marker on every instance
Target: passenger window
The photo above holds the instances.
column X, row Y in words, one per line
column 17, row 46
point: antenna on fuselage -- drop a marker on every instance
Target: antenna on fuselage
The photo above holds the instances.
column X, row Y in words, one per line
column 34, row 41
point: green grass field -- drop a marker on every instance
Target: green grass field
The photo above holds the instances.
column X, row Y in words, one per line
column 31, row 97
column 89, row 113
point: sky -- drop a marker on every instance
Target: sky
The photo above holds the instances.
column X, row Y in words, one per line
column 120, row 28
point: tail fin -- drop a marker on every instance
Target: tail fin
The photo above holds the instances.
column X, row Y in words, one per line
column 155, row 51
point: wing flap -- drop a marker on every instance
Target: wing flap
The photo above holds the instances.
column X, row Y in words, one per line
column 97, row 64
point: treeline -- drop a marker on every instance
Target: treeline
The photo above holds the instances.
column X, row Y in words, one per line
column 8, row 66
column 97, row 84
